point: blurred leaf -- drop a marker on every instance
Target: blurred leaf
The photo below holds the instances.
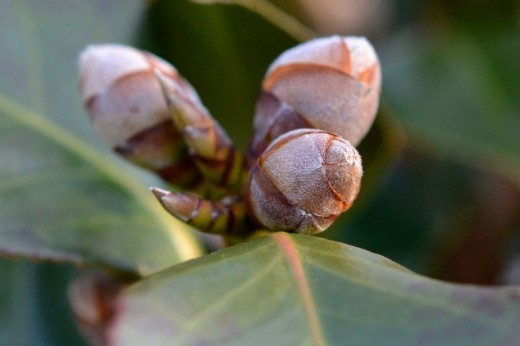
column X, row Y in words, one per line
column 459, row 94
column 33, row 308
column 426, row 210
column 60, row 198
column 294, row 290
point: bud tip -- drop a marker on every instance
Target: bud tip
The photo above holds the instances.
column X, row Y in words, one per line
column 159, row 193
column 179, row 205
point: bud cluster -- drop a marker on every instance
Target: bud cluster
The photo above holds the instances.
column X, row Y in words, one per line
column 301, row 172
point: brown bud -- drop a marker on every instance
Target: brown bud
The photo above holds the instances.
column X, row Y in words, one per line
column 128, row 111
column 213, row 151
column 303, row 181
column 330, row 83
column 225, row 216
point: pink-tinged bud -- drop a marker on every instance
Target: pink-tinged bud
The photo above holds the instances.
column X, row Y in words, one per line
column 128, row 110
column 303, row 181
column 331, row 83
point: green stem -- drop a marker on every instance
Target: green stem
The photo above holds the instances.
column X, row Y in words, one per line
column 279, row 18
column 273, row 14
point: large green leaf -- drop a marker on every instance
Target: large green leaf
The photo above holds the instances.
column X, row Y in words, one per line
column 60, row 198
column 301, row 290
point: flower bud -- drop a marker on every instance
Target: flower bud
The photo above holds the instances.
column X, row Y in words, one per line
column 225, row 217
column 213, row 151
column 303, row 181
column 330, row 83
column 128, row 111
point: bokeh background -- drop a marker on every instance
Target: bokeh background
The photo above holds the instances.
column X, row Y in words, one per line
column 441, row 192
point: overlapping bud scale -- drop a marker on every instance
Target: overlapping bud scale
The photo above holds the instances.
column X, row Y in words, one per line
column 330, row 83
column 303, row 181
column 125, row 104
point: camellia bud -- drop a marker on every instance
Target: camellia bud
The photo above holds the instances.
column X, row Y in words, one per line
column 128, row 111
column 330, row 83
column 303, row 181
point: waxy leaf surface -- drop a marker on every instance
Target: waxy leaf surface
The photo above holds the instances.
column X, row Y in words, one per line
column 301, row 290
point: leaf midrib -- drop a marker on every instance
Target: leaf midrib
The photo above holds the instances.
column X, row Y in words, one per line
column 356, row 259
column 454, row 309
column 287, row 246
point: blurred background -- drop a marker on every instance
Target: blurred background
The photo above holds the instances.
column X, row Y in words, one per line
column 441, row 192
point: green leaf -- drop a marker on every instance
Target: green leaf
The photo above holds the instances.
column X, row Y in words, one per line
column 459, row 94
column 295, row 290
column 60, row 198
